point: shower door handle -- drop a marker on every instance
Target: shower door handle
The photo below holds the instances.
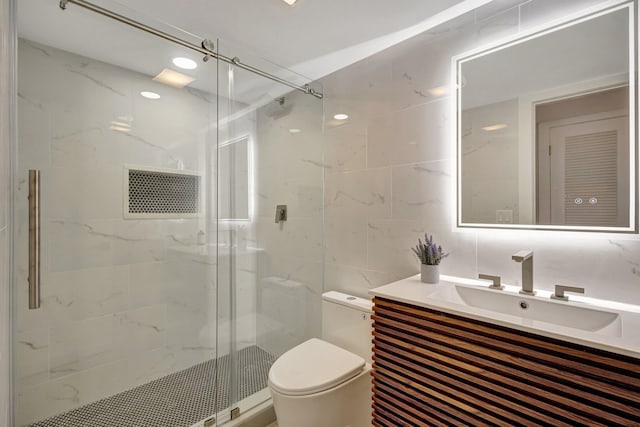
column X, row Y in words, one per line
column 34, row 239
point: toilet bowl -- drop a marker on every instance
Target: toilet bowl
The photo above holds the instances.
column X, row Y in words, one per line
column 328, row 384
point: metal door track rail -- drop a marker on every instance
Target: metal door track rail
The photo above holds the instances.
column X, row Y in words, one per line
column 206, row 48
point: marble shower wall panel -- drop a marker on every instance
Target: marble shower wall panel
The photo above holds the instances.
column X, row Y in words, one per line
column 289, row 170
column 389, row 170
column 120, row 304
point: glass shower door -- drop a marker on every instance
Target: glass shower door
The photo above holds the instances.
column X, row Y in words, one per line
column 126, row 329
column 270, row 224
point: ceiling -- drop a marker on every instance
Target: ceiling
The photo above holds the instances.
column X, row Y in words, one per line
column 312, row 38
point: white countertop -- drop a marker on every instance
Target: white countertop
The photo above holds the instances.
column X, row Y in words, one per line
column 622, row 337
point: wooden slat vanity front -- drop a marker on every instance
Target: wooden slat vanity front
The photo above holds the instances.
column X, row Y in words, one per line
column 433, row 368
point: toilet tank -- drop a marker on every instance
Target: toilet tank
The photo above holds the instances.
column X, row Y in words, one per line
column 346, row 322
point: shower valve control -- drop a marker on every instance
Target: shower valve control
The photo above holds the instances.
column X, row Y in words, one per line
column 281, row 213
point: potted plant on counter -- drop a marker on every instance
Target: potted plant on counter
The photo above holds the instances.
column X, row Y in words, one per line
column 430, row 256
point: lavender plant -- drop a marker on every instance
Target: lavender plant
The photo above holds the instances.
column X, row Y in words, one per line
column 428, row 252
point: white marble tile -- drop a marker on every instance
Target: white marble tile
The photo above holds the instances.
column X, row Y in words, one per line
column 142, row 329
column 423, row 191
column 412, row 135
column 346, row 240
column 84, row 344
column 362, row 193
column 346, row 147
column 282, row 314
column 84, row 194
column 31, row 361
column 148, row 284
column 294, row 237
column 353, row 280
column 61, row 395
column 81, row 294
column 389, row 246
column 34, row 135
column 75, row 245
column 304, row 199
column 144, row 367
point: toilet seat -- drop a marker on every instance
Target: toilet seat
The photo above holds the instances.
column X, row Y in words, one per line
column 312, row 367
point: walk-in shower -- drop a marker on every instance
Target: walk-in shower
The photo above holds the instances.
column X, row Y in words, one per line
column 166, row 287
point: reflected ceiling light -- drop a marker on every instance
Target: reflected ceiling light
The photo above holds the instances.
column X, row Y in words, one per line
column 494, row 127
column 341, row 116
column 173, row 78
column 150, row 95
column 185, row 63
column 120, row 129
column 294, row 130
column 439, row 91
column 290, row 2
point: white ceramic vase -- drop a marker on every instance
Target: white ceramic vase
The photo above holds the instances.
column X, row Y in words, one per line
column 430, row 273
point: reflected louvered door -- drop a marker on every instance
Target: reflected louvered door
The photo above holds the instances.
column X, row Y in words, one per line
column 589, row 173
column 436, row 369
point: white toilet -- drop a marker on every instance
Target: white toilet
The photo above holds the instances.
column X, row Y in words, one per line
column 327, row 382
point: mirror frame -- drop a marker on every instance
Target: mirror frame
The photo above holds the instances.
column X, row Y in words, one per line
column 634, row 184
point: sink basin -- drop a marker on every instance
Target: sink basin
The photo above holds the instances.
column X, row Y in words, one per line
column 562, row 314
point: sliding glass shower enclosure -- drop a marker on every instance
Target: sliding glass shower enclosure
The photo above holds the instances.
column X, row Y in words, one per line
column 167, row 221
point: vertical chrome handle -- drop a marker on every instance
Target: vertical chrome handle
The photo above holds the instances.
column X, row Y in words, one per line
column 34, row 239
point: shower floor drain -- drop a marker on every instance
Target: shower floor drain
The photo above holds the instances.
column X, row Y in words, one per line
column 176, row 400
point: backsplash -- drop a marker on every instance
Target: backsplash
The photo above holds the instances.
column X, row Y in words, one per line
column 389, row 180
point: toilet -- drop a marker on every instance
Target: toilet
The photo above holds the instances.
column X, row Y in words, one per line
column 327, row 382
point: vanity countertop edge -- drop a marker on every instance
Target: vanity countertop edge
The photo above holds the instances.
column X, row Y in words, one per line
column 412, row 291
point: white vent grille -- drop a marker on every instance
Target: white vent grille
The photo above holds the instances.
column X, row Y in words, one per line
column 154, row 194
column 591, row 179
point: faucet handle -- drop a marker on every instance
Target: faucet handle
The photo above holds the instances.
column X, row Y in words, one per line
column 522, row 256
column 561, row 289
column 495, row 279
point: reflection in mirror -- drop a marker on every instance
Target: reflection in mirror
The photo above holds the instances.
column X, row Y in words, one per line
column 234, row 176
column 545, row 135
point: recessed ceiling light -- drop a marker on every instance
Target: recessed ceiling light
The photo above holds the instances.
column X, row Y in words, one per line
column 290, row 2
column 150, row 95
column 494, row 127
column 341, row 116
column 185, row 63
column 294, row 130
column 173, row 78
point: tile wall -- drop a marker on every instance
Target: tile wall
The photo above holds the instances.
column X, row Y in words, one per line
column 289, row 170
column 389, row 172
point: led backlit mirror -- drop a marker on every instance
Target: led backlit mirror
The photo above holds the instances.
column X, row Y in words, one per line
column 546, row 128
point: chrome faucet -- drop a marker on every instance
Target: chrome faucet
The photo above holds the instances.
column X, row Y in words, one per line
column 526, row 259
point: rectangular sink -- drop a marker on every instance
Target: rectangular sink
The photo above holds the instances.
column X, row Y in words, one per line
column 559, row 313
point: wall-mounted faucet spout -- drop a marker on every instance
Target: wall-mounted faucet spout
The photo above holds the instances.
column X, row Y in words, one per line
column 526, row 259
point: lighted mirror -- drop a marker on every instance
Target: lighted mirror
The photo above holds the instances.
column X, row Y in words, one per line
column 234, row 168
column 546, row 128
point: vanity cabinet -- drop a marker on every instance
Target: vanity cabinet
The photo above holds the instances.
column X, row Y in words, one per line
column 434, row 368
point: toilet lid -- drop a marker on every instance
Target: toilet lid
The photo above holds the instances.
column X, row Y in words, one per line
column 313, row 366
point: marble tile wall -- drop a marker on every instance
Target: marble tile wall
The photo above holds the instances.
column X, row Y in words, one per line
column 123, row 301
column 388, row 171
column 289, row 170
